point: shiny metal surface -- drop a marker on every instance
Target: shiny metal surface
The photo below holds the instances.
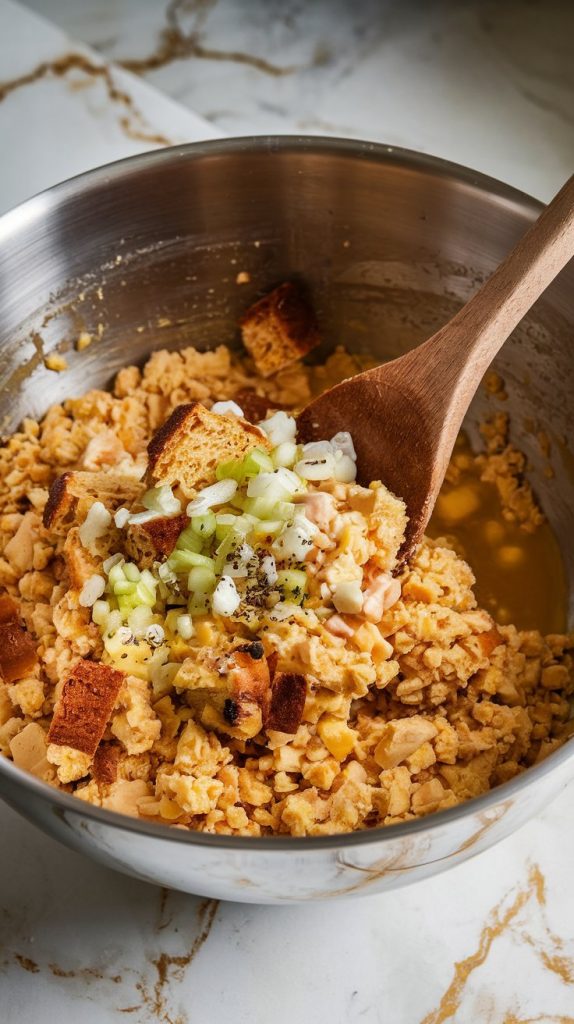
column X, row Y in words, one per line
column 145, row 254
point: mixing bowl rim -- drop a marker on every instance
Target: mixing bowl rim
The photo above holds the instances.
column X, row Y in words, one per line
column 380, row 153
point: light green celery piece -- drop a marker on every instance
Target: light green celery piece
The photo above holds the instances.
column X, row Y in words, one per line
column 204, row 526
column 257, row 461
column 188, row 540
column 123, row 587
column 201, row 580
column 231, row 470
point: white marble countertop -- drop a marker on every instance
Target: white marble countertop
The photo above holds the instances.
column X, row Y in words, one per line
column 489, row 85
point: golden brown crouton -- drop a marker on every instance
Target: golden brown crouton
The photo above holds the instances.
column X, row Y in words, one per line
column 190, row 445
column 147, row 543
column 18, row 655
column 233, row 688
column 279, row 329
column 105, row 765
column 255, row 407
column 79, row 562
column 72, row 494
column 86, row 702
column 288, row 694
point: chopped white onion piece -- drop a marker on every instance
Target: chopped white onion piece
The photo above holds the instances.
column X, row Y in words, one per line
column 279, row 428
column 345, row 469
column 325, row 591
column 95, row 525
column 139, row 619
column 343, row 442
column 284, row 454
column 111, row 561
column 155, row 634
column 317, row 449
column 216, row 494
column 225, row 599
column 348, row 597
column 269, row 570
column 92, row 590
column 238, row 566
column 139, row 518
column 162, row 499
column 316, row 468
column 124, row 635
column 121, row 517
column 227, row 409
column 296, row 540
column 185, row 627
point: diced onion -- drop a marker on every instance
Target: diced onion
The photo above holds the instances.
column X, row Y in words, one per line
column 100, row 612
column 284, row 454
column 279, row 428
column 296, row 540
column 345, row 469
column 316, row 468
column 227, row 409
column 225, row 600
column 216, row 494
column 238, row 565
column 92, row 590
column 95, row 525
column 121, row 517
column 111, row 561
column 185, row 627
column 139, row 518
column 343, row 442
column 317, row 449
column 163, row 500
column 166, row 574
column 140, row 619
column 124, row 635
column 269, row 570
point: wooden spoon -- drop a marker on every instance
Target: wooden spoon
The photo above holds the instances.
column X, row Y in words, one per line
column 404, row 416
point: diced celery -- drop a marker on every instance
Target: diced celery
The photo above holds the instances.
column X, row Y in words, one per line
column 224, row 524
column 188, row 540
column 148, row 578
column 231, row 470
column 183, row 561
column 144, row 594
column 255, row 462
column 201, row 580
column 293, row 584
column 198, row 605
column 266, row 528
column 204, row 526
column 228, row 545
column 123, row 587
column 131, row 572
column 261, row 508
column 116, row 574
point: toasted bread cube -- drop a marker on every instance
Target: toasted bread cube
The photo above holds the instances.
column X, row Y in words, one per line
column 255, row 407
column 288, row 694
column 80, row 563
column 72, row 494
column 151, row 542
column 85, row 705
column 279, row 329
column 105, row 766
column 191, row 444
column 18, row 656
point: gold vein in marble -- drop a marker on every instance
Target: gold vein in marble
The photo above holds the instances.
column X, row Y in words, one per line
column 131, row 120
column 498, row 923
column 175, row 44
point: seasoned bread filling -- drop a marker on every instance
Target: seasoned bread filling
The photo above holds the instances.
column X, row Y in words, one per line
column 203, row 623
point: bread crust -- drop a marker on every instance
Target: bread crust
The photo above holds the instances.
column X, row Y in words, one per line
column 85, row 705
column 72, row 494
column 287, row 702
column 188, row 447
column 279, row 329
column 18, row 655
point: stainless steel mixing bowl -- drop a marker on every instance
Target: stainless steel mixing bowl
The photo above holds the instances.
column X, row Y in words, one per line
column 145, row 253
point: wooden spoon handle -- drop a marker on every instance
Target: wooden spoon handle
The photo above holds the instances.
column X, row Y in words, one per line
column 475, row 334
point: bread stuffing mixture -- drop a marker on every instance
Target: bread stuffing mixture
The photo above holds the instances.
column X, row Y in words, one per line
column 204, row 623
